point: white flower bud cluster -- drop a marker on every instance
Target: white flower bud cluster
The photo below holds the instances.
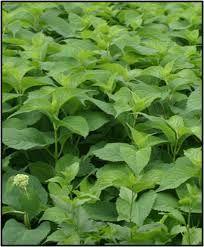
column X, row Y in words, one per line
column 21, row 180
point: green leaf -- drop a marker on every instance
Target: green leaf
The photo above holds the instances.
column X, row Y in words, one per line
column 6, row 162
column 165, row 202
column 111, row 151
column 58, row 236
column 177, row 124
column 142, row 139
column 162, row 124
column 63, row 238
column 194, row 237
column 106, row 107
column 104, row 211
column 40, row 104
column 194, row 101
column 54, row 214
column 113, row 175
column 28, row 82
column 155, row 71
column 11, row 122
column 194, row 155
column 142, row 207
column 64, row 162
column 41, row 170
column 31, row 202
column 9, row 96
column 177, row 215
column 136, row 160
column 75, row 124
column 124, row 204
column 95, row 119
column 151, row 234
column 115, row 68
column 190, row 198
column 71, row 172
column 57, row 24
column 24, row 139
column 61, row 95
column 150, row 178
column 180, row 172
column 15, row 233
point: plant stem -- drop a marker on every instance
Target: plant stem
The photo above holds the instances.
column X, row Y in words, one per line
column 131, row 206
column 61, row 149
column 56, row 142
column 26, row 220
column 77, row 141
column 168, row 149
column 188, row 226
column 49, row 152
column 135, row 119
column 85, row 178
column 175, row 150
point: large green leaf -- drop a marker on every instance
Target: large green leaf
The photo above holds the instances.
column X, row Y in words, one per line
column 113, row 175
column 165, row 202
column 150, row 234
column 106, row 107
column 142, row 139
column 162, row 124
column 15, row 233
column 136, row 160
column 75, row 124
column 193, row 237
column 142, row 207
column 10, row 96
column 194, row 155
column 179, row 172
column 64, row 162
column 95, row 119
column 124, row 204
column 62, row 94
column 31, row 201
column 104, row 211
column 41, row 170
column 38, row 104
column 24, row 139
column 54, row 214
column 194, row 101
column 111, row 151
column 28, row 82
column 57, row 24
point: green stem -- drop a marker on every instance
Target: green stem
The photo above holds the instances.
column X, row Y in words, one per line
column 49, row 152
column 61, row 149
column 175, row 150
column 4, row 151
column 20, row 101
column 77, row 141
column 13, row 211
column 26, row 220
column 26, row 155
column 131, row 206
column 188, row 226
column 168, row 149
column 56, row 142
column 163, row 219
column 85, row 178
column 135, row 119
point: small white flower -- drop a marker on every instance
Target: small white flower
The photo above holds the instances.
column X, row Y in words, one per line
column 21, row 180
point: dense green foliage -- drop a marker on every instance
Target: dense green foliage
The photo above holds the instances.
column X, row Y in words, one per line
column 101, row 123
